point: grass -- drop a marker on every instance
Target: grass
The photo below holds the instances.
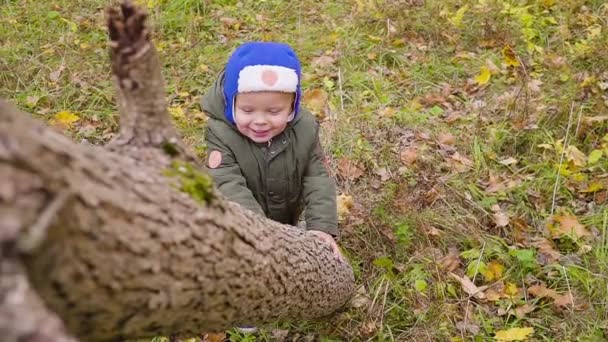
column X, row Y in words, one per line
column 401, row 78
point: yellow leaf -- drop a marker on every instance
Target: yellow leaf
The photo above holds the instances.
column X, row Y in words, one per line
column 456, row 19
column 493, row 271
column 594, row 187
column 514, row 334
column 510, row 56
column 176, row 112
column 511, row 289
column 595, row 156
column 345, row 203
column 66, row 118
column 484, row 75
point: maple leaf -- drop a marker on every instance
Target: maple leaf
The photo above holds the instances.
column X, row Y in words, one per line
column 514, row 334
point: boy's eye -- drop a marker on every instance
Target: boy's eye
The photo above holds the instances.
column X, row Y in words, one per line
column 247, row 110
column 274, row 111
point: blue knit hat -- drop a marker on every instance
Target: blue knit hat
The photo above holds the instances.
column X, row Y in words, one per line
column 261, row 66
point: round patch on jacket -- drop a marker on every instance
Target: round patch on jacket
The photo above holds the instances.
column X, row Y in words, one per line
column 215, row 159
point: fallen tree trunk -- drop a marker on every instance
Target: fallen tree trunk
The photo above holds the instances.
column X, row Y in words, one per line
column 133, row 240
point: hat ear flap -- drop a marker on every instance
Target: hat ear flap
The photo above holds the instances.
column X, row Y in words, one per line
column 291, row 116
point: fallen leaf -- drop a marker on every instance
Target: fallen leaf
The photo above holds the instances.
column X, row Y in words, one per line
column 323, row 61
column 229, row 21
column 511, row 290
column 575, row 156
column 541, row 291
column 500, row 218
column 349, row 169
column 522, row 310
column 383, row 173
column 493, row 271
column 408, row 155
column 279, row 335
column 564, row 300
column 214, row 337
column 469, row 287
column 317, row 102
column 176, row 112
column 594, row 156
column 387, row 112
column 534, row 85
column 495, row 184
column 65, row 119
column 492, row 295
column 484, row 76
column 345, row 204
column 568, row 225
column 467, row 327
column 451, row 261
column 446, row 139
column 31, row 101
column 54, row 76
column 510, row 57
column 547, row 249
column 514, row 334
column 360, row 299
column 508, row 161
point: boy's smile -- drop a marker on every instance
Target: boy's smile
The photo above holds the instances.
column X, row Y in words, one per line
column 263, row 115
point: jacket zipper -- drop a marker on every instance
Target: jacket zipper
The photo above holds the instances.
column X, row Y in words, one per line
column 266, row 161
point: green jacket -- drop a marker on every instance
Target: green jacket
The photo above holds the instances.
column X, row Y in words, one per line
column 278, row 180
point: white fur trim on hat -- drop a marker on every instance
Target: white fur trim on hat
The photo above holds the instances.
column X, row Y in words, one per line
column 267, row 78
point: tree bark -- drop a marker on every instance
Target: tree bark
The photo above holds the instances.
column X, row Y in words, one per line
column 133, row 240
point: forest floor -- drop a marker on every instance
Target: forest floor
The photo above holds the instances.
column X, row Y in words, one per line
column 469, row 140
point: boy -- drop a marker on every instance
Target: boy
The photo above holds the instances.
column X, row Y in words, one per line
column 263, row 149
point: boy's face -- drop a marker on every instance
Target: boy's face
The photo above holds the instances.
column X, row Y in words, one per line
column 262, row 115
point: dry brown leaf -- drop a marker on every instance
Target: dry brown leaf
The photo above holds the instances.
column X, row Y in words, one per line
column 349, row 169
column 446, row 139
column 500, row 218
column 317, row 102
column 451, row 261
column 383, row 173
column 469, row 287
column 541, row 291
column 492, row 295
column 323, row 61
column 568, row 225
column 279, row 335
column 521, row 311
column 561, row 301
column 508, row 161
column 214, row 337
column 408, row 155
column 547, row 249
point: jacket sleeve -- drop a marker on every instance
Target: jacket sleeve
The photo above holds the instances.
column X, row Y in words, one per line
column 228, row 177
column 320, row 194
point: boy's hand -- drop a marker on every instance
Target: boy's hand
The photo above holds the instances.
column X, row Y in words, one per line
column 332, row 243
